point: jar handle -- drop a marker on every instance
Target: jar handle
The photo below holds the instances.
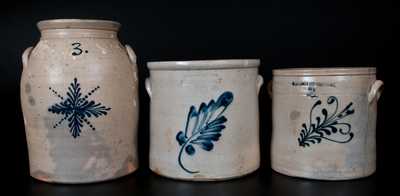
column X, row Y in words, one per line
column 131, row 53
column 148, row 86
column 375, row 92
column 260, row 82
column 25, row 56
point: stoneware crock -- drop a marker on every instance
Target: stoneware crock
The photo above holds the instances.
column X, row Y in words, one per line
column 204, row 122
column 324, row 122
column 79, row 96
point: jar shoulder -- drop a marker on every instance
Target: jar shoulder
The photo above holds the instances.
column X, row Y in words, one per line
column 82, row 48
column 79, row 54
column 69, row 58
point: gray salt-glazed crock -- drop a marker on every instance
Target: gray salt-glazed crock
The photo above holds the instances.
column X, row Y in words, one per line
column 204, row 123
column 324, row 122
column 79, row 96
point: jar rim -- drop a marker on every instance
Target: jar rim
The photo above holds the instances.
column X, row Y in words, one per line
column 203, row 64
column 78, row 24
column 326, row 71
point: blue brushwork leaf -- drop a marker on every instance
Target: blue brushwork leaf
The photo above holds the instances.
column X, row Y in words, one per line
column 204, row 144
column 203, row 127
column 190, row 150
column 329, row 128
column 180, row 137
column 76, row 109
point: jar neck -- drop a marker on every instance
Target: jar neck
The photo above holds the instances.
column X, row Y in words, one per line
column 77, row 33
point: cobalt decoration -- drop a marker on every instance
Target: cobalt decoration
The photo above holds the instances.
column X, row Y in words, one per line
column 77, row 109
column 203, row 127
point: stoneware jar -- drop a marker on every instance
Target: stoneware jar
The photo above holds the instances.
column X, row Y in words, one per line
column 324, row 122
column 204, row 118
column 79, row 96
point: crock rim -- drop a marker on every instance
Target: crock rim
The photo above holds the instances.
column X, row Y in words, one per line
column 203, row 64
column 324, row 71
column 98, row 24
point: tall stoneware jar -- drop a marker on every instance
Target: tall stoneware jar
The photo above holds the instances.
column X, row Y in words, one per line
column 79, row 96
column 324, row 122
column 204, row 121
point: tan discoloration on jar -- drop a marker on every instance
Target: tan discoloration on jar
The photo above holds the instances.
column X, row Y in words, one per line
column 199, row 176
column 88, row 52
column 43, row 176
column 27, row 88
column 31, row 101
column 156, row 170
column 294, row 115
column 128, row 166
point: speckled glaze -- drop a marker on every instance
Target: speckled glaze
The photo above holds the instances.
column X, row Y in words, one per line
column 79, row 96
column 204, row 123
column 324, row 122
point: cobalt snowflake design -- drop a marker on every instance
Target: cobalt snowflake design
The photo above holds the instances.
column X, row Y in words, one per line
column 77, row 109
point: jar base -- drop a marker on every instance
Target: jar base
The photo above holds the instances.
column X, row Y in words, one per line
column 205, row 179
column 48, row 180
column 307, row 175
